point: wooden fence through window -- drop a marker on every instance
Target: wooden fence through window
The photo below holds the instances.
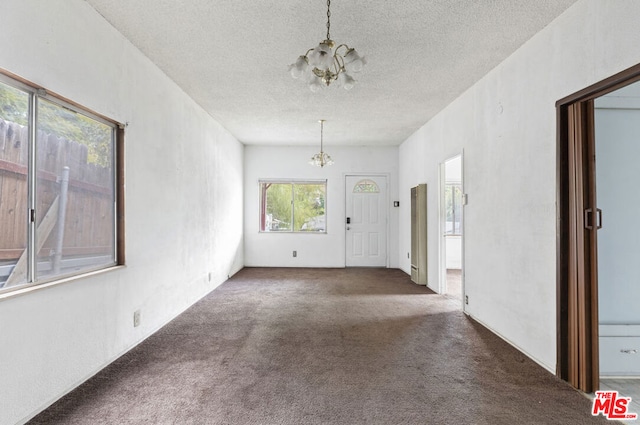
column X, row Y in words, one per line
column 89, row 224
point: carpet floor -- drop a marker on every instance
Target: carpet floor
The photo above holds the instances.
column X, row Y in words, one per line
column 322, row 346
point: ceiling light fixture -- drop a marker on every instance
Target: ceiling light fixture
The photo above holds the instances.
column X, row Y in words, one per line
column 321, row 159
column 328, row 65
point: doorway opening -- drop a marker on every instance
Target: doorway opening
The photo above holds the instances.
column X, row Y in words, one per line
column 617, row 130
column 598, row 327
column 451, row 228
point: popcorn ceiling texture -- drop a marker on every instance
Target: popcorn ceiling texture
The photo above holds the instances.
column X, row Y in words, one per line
column 232, row 57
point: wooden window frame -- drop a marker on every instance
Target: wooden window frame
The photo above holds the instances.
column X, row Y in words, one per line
column 119, row 184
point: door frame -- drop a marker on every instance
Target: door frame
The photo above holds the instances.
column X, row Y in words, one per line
column 576, row 236
column 387, row 177
column 442, row 285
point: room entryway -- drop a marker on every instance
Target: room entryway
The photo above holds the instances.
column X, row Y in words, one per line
column 598, row 320
column 451, row 228
column 617, row 129
column 366, row 221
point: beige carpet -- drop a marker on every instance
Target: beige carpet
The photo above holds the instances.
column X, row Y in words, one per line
column 322, row 346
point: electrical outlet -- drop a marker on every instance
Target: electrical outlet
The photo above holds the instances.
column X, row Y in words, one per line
column 295, row 253
column 209, row 276
column 408, row 256
column 136, row 318
column 466, row 299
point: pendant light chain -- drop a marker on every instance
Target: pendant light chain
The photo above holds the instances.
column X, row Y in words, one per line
column 328, row 19
column 321, row 159
column 321, row 135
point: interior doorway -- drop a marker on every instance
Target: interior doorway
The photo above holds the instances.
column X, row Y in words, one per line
column 598, row 323
column 617, row 131
column 451, row 228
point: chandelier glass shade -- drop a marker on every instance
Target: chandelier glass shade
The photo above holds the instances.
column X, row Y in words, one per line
column 324, row 64
column 321, row 159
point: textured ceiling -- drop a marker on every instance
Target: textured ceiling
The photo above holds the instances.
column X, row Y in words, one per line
column 232, row 57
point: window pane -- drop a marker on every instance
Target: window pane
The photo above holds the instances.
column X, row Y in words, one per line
column 275, row 209
column 309, row 212
column 367, row 186
column 453, row 209
column 14, row 145
column 74, row 192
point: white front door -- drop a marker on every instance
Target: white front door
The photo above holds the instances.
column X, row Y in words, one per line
column 366, row 221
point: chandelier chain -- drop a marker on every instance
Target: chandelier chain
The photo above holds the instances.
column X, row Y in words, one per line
column 328, row 19
column 321, row 134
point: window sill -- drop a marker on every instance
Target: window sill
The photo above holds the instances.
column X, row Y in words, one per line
column 27, row 289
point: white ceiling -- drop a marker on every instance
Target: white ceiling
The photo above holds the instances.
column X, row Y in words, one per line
column 232, row 57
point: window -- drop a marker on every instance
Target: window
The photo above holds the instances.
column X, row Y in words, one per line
column 366, row 186
column 58, row 181
column 453, row 205
column 293, row 206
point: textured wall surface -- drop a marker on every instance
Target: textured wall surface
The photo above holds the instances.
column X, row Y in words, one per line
column 183, row 205
column 315, row 250
column 506, row 126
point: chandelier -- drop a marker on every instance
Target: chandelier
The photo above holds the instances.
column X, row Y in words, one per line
column 321, row 159
column 328, row 65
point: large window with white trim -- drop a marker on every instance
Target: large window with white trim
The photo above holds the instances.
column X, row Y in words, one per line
column 58, row 188
column 293, row 206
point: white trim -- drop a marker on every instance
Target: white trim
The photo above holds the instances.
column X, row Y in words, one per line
column 28, row 288
column 442, row 254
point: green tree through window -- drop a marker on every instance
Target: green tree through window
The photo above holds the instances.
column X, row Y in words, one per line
column 64, row 123
column 59, row 204
column 292, row 207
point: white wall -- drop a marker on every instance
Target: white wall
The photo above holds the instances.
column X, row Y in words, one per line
column 183, row 205
column 314, row 250
column 453, row 248
column 506, row 125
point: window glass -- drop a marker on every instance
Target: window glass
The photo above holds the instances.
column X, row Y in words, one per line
column 14, row 153
column 308, row 203
column 366, row 186
column 292, row 206
column 277, row 207
column 57, row 188
column 74, row 191
column 453, row 205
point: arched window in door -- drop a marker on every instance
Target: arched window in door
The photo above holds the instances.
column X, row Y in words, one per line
column 366, row 186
